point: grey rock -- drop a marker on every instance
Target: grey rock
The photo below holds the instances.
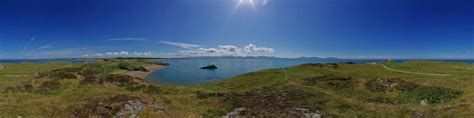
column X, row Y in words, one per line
column 130, row 109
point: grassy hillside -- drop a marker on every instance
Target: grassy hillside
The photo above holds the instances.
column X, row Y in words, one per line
column 335, row 89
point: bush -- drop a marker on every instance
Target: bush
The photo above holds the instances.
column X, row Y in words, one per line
column 125, row 66
column 48, row 86
column 204, row 95
column 120, row 80
column 214, row 113
column 433, row 95
column 129, row 67
column 153, row 89
column 87, row 72
column 14, row 89
column 412, row 91
column 382, row 99
column 28, row 88
column 332, row 82
column 60, row 74
column 101, row 106
column 88, row 80
column 140, row 68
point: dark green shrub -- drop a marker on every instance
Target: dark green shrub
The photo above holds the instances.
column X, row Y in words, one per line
column 129, row 67
column 59, row 74
column 89, row 80
column 332, row 82
column 153, row 89
column 214, row 113
column 135, row 87
column 76, row 69
column 87, row 72
column 120, row 80
column 140, row 68
column 13, row 89
column 51, row 85
column 382, row 99
column 433, row 95
column 103, row 106
column 204, row 95
column 19, row 88
column 314, row 64
column 28, row 88
column 162, row 63
column 125, row 66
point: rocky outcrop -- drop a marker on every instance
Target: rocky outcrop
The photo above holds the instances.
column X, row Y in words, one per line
column 130, row 109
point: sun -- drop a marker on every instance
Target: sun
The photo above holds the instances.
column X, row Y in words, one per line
column 245, row 1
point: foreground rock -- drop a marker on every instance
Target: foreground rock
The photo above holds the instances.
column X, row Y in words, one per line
column 130, row 109
column 209, row 67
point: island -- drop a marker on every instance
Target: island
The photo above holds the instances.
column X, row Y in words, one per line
column 209, row 67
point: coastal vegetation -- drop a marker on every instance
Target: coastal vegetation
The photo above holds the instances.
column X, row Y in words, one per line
column 103, row 89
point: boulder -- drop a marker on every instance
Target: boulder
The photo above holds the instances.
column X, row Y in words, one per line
column 209, row 67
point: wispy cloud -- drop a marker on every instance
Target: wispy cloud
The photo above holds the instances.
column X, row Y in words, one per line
column 49, row 45
column 264, row 2
column 28, row 43
column 71, row 51
column 179, row 44
column 128, row 39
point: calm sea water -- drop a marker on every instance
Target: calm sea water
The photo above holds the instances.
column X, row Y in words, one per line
column 187, row 71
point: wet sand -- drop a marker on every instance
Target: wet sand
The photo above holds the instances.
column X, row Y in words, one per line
column 143, row 75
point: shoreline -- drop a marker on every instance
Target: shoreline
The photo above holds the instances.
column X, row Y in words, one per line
column 144, row 75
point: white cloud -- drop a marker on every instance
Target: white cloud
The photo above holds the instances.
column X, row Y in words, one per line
column 229, row 48
column 251, row 48
column 226, row 50
column 179, row 44
column 128, row 39
column 49, row 45
column 122, row 54
column 220, row 50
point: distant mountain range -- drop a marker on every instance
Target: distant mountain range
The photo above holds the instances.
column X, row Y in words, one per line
column 219, row 57
column 261, row 57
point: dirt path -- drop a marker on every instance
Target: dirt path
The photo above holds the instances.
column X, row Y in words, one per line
column 418, row 73
column 143, row 75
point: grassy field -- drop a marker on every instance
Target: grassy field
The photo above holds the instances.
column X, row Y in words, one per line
column 335, row 89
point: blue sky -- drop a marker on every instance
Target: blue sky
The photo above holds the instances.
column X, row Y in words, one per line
column 284, row 28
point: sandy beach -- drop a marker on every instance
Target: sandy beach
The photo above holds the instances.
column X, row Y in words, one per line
column 143, row 75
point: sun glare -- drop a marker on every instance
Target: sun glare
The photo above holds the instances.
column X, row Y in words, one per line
column 246, row 1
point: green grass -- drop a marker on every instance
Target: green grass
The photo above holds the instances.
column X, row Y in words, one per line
column 345, row 90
